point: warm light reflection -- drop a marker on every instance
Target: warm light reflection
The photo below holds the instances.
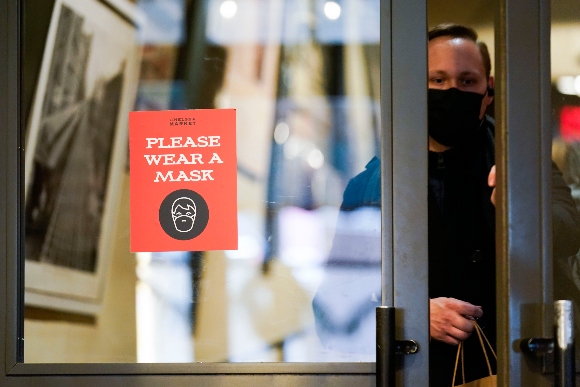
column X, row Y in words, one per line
column 163, row 300
column 569, row 85
column 332, row 10
column 145, row 323
column 144, row 310
column 248, row 247
column 228, row 9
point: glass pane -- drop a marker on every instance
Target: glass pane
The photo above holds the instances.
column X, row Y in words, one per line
column 303, row 77
column 565, row 47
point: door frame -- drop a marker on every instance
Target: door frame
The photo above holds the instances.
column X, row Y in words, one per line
column 523, row 212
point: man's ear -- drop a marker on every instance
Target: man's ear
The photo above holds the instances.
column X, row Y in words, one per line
column 488, row 98
column 490, row 88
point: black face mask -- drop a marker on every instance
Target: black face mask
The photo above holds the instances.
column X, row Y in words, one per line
column 453, row 116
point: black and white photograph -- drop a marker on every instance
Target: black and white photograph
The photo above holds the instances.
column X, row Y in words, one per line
column 76, row 149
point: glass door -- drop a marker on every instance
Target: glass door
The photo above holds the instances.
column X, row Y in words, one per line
column 304, row 79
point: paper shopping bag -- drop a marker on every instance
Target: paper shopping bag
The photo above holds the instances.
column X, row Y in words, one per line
column 488, row 381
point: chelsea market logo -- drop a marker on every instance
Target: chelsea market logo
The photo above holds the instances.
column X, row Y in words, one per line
column 180, row 121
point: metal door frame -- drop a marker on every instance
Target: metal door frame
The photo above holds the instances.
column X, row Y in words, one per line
column 523, row 156
column 404, row 154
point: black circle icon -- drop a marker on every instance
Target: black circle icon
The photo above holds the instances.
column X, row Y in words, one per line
column 183, row 214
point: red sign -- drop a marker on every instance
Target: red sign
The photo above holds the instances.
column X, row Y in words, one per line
column 183, row 180
column 570, row 123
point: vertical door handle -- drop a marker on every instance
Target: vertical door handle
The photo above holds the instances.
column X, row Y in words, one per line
column 387, row 347
column 564, row 349
column 562, row 345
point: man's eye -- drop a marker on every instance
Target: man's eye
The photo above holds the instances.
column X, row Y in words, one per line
column 178, row 213
column 188, row 213
column 437, row 80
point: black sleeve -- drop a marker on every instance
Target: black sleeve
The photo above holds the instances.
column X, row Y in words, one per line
column 565, row 218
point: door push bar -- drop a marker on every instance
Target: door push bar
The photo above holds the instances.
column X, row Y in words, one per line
column 387, row 347
column 562, row 345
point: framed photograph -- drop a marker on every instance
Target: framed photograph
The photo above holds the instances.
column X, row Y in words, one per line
column 76, row 148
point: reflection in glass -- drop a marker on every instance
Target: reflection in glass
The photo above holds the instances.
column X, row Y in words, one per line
column 303, row 77
column 78, row 116
column 321, row 131
column 163, row 306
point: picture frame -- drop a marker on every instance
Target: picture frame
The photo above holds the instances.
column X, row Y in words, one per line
column 76, row 150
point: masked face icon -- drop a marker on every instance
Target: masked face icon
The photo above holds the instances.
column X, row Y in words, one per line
column 183, row 214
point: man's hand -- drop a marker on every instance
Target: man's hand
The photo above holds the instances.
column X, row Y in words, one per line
column 450, row 319
column 491, row 183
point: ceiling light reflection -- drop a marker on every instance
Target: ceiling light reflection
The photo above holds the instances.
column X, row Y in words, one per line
column 281, row 133
column 332, row 10
column 228, row 9
column 315, row 158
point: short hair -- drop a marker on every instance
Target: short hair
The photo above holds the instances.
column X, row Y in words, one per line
column 459, row 31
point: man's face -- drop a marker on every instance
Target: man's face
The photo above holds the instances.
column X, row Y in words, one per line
column 457, row 62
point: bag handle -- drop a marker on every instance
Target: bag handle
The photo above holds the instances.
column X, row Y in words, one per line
column 460, row 349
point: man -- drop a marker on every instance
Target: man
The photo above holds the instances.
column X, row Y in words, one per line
column 461, row 222
column 461, row 201
column 461, row 214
